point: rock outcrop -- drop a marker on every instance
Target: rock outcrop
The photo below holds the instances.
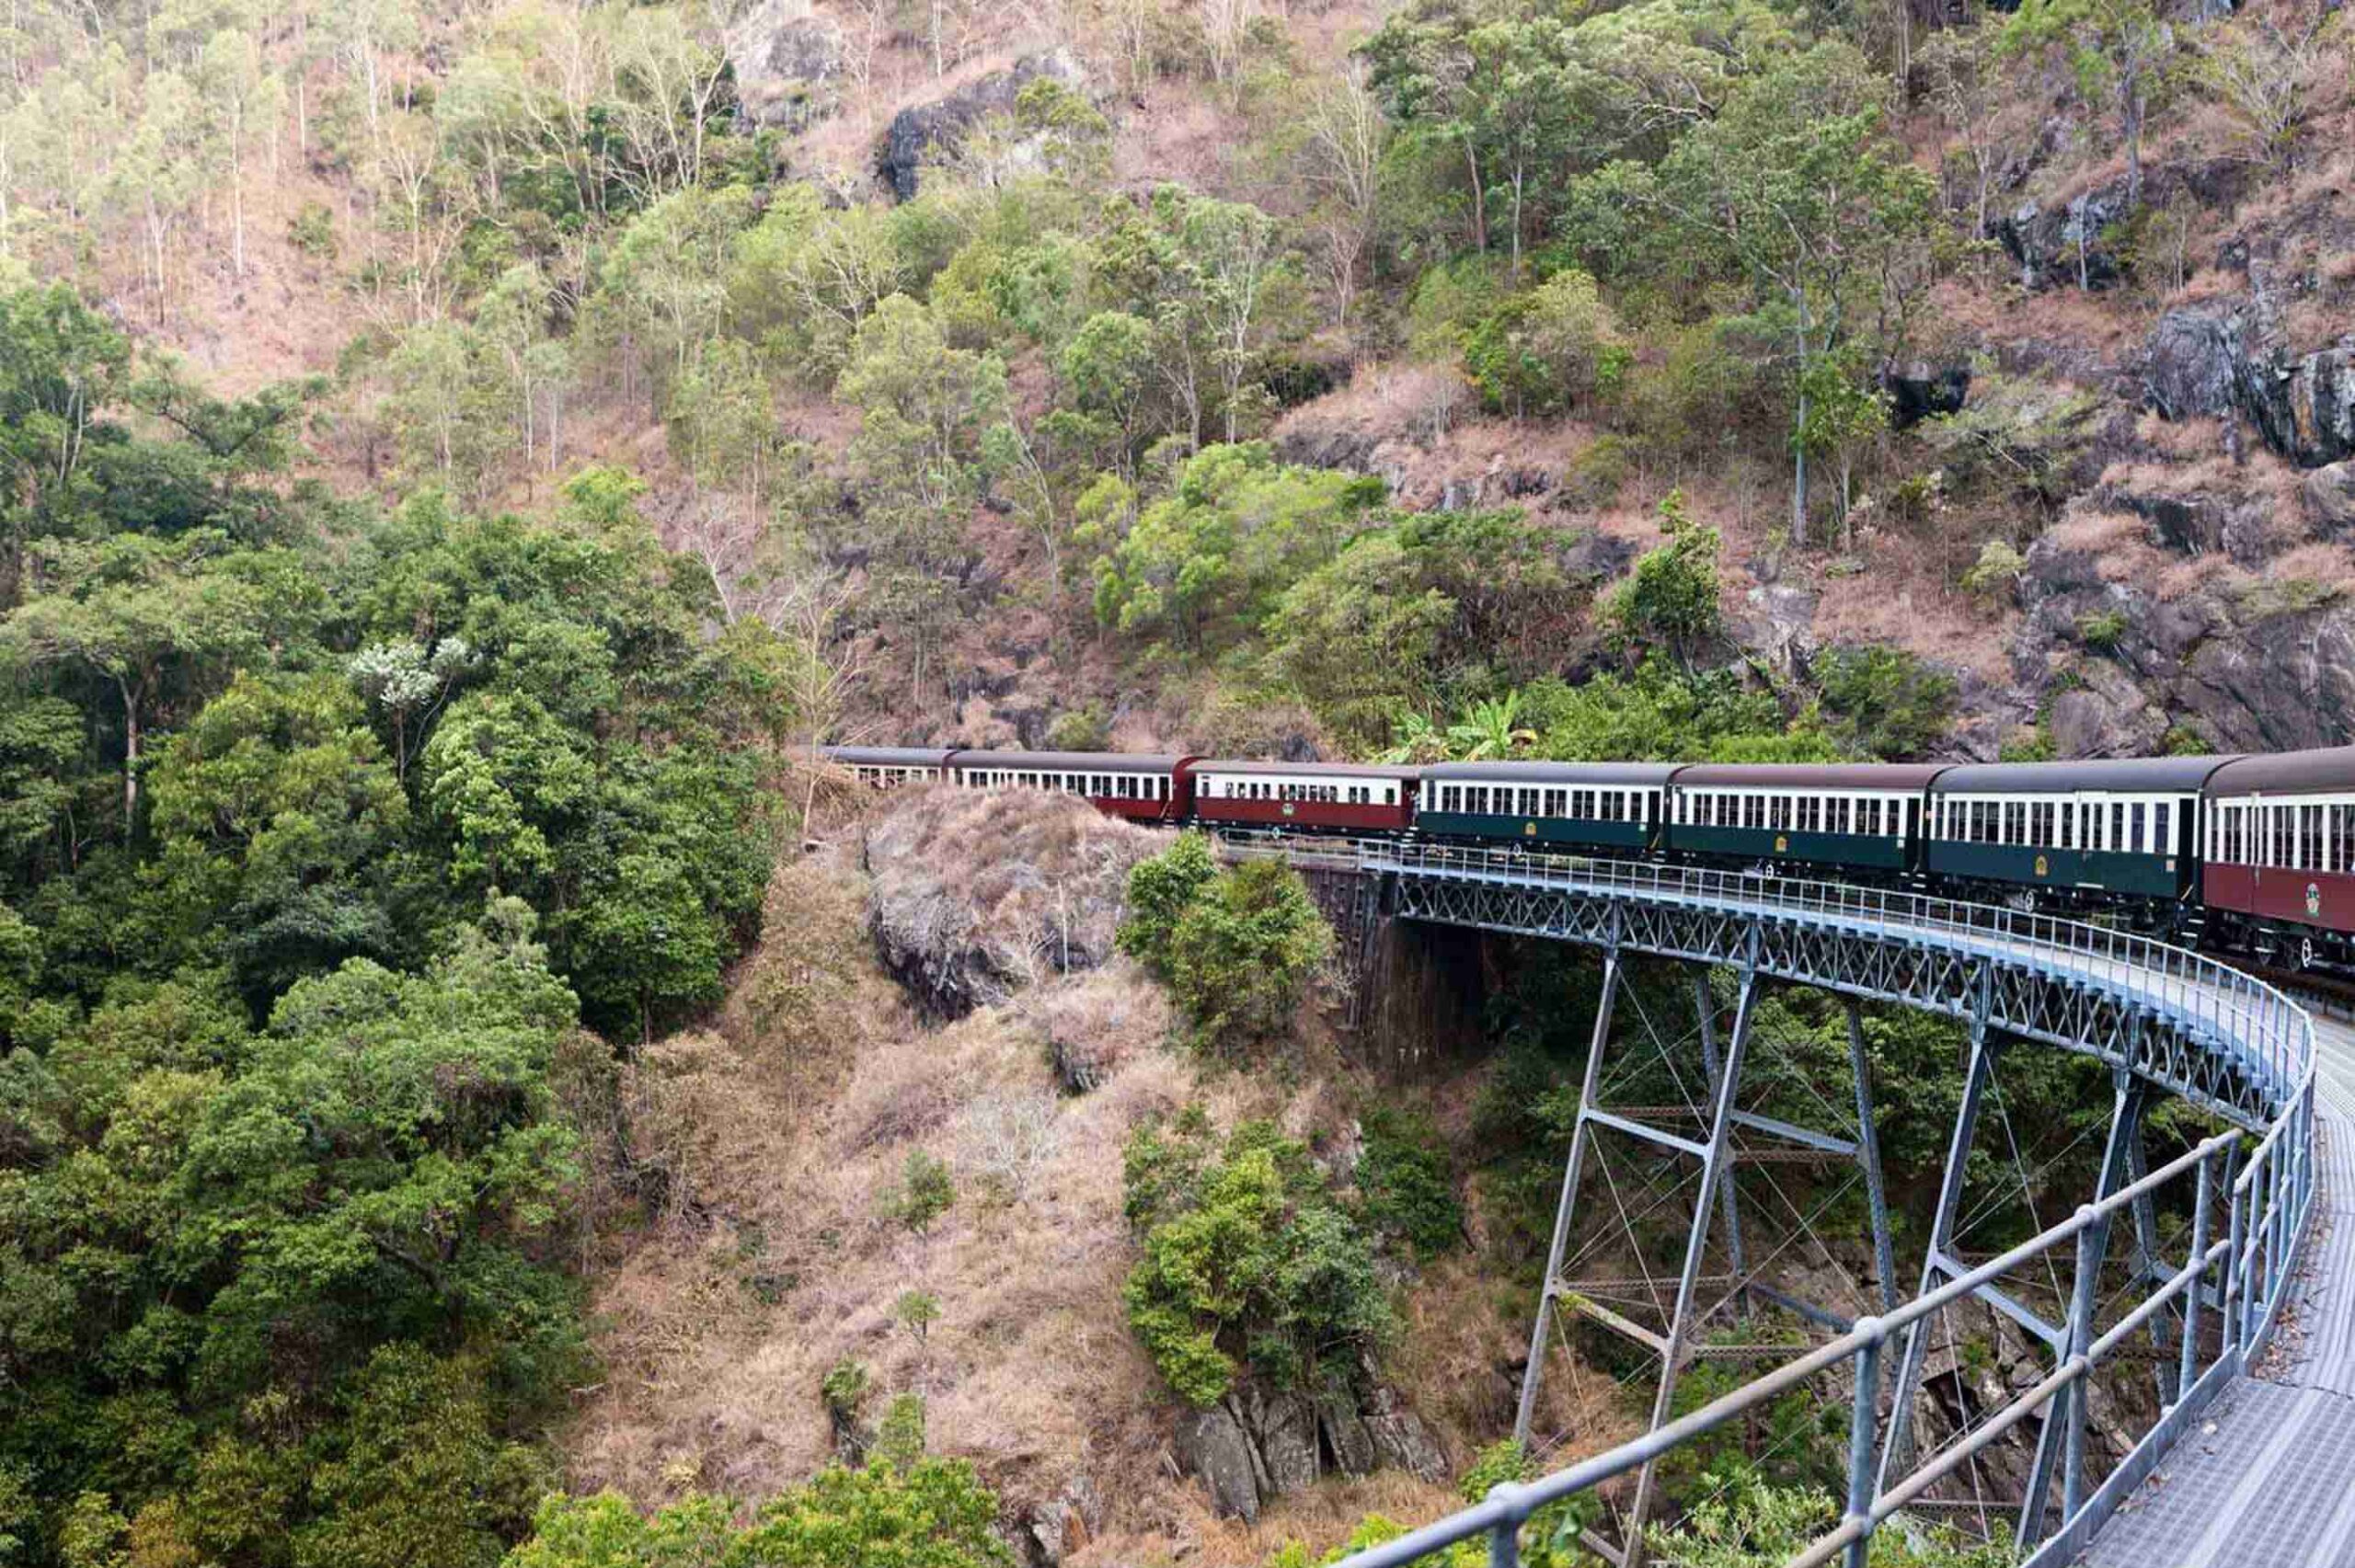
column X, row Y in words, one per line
column 1256, row 1444
column 787, row 61
column 931, row 132
column 2224, row 360
column 973, row 896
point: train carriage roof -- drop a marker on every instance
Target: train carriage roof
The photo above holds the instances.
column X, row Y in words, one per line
column 1070, row 761
column 2327, row 771
column 888, row 756
column 1618, row 773
column 2130, row 776
column 1305, row 769
column 1808, row 775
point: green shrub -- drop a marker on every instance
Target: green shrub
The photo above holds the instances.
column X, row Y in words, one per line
column 1242, row 955
column 1596, row 475
column 2102, row 630
column 918, row 1311
column 1082, row 730
column 900, row 1436
column 1160, row 889
column 1997, row 571
column 1671, row 601
column 1248, row 1260
column 1890, row 704
column 927, row 1191
column 1405, row 1188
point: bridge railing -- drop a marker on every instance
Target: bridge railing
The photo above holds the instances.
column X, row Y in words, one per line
column 2249, row 1210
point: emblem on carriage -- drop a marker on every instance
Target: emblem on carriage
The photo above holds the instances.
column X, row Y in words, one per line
column 2313, row 898
column 1529, row 829
column 1781, row 844
column 2042, row 868
column 1288, row 808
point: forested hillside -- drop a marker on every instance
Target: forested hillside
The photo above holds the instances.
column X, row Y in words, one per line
column 457, row 460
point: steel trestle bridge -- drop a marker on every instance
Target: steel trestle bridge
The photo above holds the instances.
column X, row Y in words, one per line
column 2164, row 1020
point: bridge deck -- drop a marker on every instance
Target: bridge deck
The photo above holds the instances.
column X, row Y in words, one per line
column 2268, row 1480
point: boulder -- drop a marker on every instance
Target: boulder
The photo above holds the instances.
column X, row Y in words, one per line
column 1401, row 1440
column 1211, row 1444
column 1778, row 620
column 972, row 897
column 787, row 60
column 1061, row 1526
column 1917, row 391
column 2063, row 244
column 1285, row 1424
column 2330, row 497
column 2108, row 717
column 1345, row 1436
column 931, row 132
column 2224, row 361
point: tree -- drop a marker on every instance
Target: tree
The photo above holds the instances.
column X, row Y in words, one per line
column 2119, row 49
column 1490, row 730
column 1841, row 412
column 1242, row 954
column 1345, row 135
column 1247, row 1261
column 239, row 92
column 1671, row 599
column 1794, row 189
column 1160, row 887
column 148, row 616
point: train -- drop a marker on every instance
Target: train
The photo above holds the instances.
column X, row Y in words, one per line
column 2251, row 853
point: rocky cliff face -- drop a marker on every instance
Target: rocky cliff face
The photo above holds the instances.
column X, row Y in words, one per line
column 976, row 896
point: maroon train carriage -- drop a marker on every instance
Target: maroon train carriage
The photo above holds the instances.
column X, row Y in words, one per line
column 2278, row 873
column 889, row 767
column 1141, row 788
column 1317, row 798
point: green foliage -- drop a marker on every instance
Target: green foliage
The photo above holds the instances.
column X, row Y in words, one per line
column 1241, row 956
column 1248, row 1260
column 1206, row 563
column 916, row 1311
column 927, row 1191
column 1752, row 1521
column 1428, row 612
column 2102, row 629
column 1669, row 602
column 1405, row 1188
column 844, row 1389
column 1996, row 572
column 1161, row 889
column 321, row 831
column 1548, row 350
column 1661, row 713
column 926, row 1513
column 900, row 1436
column 1887, row 703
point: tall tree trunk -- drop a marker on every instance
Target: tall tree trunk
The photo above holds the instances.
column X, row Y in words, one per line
column 130, row 758
column 1479, row 198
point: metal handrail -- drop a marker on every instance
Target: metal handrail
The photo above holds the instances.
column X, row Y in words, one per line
column 2267, row 1198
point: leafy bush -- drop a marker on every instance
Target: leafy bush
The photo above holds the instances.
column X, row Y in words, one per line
column 1548, row 349
column 2103, row 629
column 1242, row 955
column 1248, row 1261
column 927, row 1191
column 1404, row 1185
column 928, row 1513
column 1892, row 706
column 1671, row 599
column 1996, row 572
column 1160, row 889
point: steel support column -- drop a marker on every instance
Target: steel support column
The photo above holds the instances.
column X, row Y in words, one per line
column 1704, row 1009
column 1896, row 1450
column 1714, row 1165
column 1571, row 1171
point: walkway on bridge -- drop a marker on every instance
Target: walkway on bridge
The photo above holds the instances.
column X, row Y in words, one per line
column 2267, row 1479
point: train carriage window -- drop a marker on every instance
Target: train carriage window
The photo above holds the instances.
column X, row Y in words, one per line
column 2310, row 838
column 2136, row 840
column 1553, row 798
column 2342, row 837
column 2163, row 827
column 2068, row 824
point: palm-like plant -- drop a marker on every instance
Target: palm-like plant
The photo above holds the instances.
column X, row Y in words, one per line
column 1491, row 728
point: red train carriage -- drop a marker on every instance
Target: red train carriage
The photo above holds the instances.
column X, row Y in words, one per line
column 2280, row 871
column 1317, row 798
column 1141, row 788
